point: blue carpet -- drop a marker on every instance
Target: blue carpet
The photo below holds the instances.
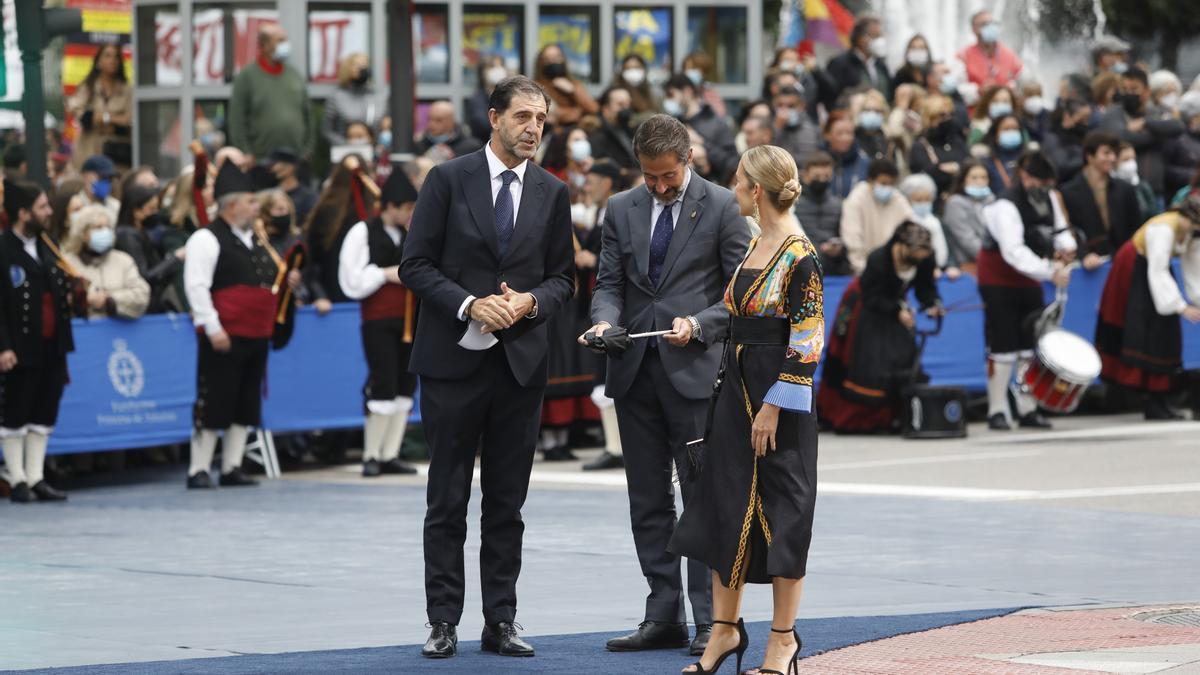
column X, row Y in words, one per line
column 582, row 652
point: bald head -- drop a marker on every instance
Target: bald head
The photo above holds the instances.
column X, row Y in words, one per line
column 270, row 35
column 441, row 119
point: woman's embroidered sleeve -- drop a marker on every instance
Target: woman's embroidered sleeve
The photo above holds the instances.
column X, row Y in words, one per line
column 806, row 314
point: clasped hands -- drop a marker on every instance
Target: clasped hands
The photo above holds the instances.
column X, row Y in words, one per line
column 503, row 310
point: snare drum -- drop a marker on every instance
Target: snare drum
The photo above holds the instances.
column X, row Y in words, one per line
column 1064, row 365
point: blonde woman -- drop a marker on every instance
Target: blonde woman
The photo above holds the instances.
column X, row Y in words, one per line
column 751, row 519
column 114, row 286
column 354, row 100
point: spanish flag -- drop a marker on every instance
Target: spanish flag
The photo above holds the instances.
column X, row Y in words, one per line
column 827, row 22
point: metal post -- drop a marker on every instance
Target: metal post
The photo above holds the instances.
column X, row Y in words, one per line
column 403, row 84
column 31, row 37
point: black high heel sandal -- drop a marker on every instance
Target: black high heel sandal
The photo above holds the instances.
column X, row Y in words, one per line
column 793, row 666
column 740, row 649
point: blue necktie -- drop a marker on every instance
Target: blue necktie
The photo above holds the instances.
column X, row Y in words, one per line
column 504, row 212
column 660, row 241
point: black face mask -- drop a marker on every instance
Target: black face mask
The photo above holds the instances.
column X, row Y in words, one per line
column 154, row 220
column 281, row 224
column 624, row 118
column 942, row 130
column 363, row 76
column 553, row 70
column 817, row 188
column 1132, row 103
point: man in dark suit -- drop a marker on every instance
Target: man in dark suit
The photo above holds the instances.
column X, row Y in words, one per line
column 668, row 251
column 489, row 253
column 613, row 139
column 861, row 65
column 1103, row 209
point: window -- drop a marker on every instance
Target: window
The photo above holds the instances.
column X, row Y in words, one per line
column 646, row 32
column 159, row 141
column 226, row 40
column 721, row 32
column 430, row 41
column 574, row 29
column 491, row 30
column 334, row 33
column 160, row 48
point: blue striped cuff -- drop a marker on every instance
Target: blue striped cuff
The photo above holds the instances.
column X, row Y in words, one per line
column 789, row 396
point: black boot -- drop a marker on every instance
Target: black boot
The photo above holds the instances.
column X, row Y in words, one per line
column 21, row 493
column 45, row 493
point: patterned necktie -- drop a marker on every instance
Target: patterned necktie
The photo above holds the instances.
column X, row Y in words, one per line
column 504, row 212
column 659, row 242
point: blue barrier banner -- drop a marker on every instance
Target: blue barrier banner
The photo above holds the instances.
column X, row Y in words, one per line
column 133, row 383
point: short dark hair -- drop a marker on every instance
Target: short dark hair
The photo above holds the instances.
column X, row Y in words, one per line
column 1136, row 73
column 680, row 82
column 509, row 87
column 1037, row 164
column 1100, row 139
column 818, row 158
column 882, row 167
column 861, row 26
column 660, row 135
column 19, row 194
column 606, row 95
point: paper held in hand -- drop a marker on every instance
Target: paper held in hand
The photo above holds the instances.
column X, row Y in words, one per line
column 475, row 339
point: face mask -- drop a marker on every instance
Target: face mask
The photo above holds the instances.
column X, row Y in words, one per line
column 999, row 109
column 990, row 34
column 788, row 66
column 918, row 57
column 883, row 193
column 949, row 84
column 385, row 138
column 1010, row 139
column 624, row 117
column 363, row 76
column 154, row 220
column 634, row 76
column 1170, row 101
column 580, row 150
column 794, row 118
column 553, row 70
column 871, row 120
column 1120, row 67
column 695, row 75
column 282, row 51
column 1034, row 105
column 101, row 189
column 1132, row 103
column 978, row 191
column 879, row 47
column 579, row 213
column 494, row 75
column 101, row 241
column 672, row 107
column 1039, row 195
column 913, row 260
column 578, row 180
column 1128, row 171
column 923, row 209
column 439, row 139
column 817, row 188
column 280, row 224
column 942, row 130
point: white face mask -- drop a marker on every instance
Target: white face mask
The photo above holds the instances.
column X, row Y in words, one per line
column 634, row 76
column 879, row 47
column 1128, row 171
column 282, row 51
column 918, row 57
column 494, row 75
column 1034, row 105
column 1170, row 101
column 580, row 149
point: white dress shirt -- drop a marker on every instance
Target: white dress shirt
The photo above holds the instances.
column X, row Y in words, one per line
column 357, row 275
column 1006, row 227
column 495, row 168
column 199, row 263
column 676, row 206
column 30, row 244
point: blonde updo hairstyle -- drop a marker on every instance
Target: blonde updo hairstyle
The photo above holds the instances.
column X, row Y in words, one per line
column 774, row 169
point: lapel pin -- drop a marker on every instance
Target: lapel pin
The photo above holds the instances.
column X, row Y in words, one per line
column 693, row 215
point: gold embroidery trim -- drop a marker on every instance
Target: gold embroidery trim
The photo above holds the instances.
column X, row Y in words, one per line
column 795, row 379
column 766, row 272
column 735, row 580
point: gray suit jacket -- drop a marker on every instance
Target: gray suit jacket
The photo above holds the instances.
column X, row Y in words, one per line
column 709, row 242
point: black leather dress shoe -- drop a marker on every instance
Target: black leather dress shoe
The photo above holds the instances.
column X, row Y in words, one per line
column 606, row 460
column 371, row 468
column 199, row 481
column 1157, row 409
column 45, row 493
column 651, row 635
column 21, row 493
column 502, row 638
column 560, row 453
column 1034, row 420
column 703, row 633
column 442, row 642
column 998, row 422
column 237, row 478
column 395, row 466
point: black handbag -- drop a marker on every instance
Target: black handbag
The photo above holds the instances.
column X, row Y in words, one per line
column 697, row 450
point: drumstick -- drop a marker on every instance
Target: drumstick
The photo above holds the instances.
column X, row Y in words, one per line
column 352, row 164
column 653, row 333
column 409, row 312
column 197, row 148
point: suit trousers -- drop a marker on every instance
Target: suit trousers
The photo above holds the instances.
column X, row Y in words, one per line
column 492, row 414
column 656, row 423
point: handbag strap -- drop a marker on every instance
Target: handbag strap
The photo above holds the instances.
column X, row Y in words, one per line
column 717, row 383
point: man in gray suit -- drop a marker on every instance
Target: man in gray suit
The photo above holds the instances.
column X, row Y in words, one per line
column 668, row 251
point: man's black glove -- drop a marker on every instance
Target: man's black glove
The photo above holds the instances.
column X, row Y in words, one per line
column 613, row 342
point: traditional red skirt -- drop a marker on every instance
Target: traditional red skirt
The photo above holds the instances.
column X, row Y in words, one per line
column 1139, row 348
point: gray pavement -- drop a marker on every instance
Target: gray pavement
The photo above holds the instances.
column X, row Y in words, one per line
column 1107, row 512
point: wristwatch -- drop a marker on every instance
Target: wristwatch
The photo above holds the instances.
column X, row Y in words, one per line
column 695, row 327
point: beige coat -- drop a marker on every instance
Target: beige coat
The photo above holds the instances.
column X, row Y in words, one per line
column 119, row 107
column 867, row 224
column 115, row 274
